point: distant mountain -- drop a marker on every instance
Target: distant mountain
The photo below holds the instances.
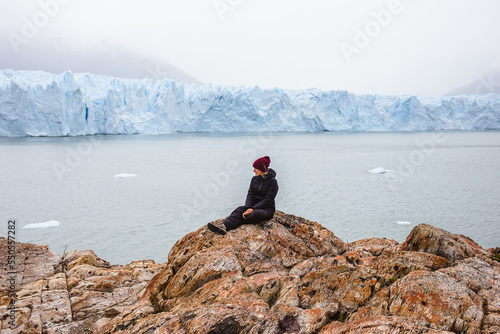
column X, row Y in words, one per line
column 486, row 84
column 108, row 59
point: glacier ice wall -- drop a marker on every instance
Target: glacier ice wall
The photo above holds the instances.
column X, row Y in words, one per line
column 35, row 103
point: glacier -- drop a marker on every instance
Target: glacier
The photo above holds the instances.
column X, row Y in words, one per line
column 36, row 103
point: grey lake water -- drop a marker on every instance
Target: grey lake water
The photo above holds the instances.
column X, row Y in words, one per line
column 132, row 197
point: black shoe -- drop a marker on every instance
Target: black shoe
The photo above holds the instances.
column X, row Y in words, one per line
column 219, row 228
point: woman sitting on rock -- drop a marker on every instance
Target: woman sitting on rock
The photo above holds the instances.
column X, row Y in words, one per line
column 259, row 205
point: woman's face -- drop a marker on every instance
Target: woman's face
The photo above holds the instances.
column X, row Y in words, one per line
column 257, row 172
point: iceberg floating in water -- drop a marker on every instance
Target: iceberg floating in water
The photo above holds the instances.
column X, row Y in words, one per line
column 50, row 223
column 36, row 103
column 403, row 223
column 379, row 170
column 123, row 175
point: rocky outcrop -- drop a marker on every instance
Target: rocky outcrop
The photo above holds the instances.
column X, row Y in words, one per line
column 68, row 295
column 32, row 262
column 286, row 275
column 430, row 239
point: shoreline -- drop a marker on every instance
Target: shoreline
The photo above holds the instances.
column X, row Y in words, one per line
column 257, row 133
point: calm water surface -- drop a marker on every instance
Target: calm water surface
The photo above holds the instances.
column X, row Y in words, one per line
column 182, row 181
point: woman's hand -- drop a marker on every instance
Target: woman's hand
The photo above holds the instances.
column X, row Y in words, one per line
column 246, row 213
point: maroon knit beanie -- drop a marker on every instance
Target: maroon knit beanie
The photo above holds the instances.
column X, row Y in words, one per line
column 262, row 163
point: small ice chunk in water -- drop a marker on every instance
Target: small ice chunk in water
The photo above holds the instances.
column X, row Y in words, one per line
column 403, row 223
column 50, row 223
column 125, row 175
column 379, row 170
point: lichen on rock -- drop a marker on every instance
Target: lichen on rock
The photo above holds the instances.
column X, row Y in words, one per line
column 286, row 275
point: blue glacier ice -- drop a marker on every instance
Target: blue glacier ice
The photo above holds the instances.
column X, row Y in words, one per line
column 36, row 103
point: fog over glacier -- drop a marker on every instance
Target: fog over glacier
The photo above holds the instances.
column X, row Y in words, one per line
column 35, row 103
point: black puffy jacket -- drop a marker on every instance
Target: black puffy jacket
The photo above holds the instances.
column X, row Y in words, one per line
column 262, row 191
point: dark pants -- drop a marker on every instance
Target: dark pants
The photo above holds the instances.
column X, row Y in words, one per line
column 236, row 219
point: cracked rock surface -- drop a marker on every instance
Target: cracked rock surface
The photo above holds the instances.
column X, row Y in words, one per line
column 286, row 275
column 69, row 295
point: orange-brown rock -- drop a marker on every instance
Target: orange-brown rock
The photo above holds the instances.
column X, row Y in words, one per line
column 32, row 262
column 430, row 239
column 286, row 275
column 379, row 325
column 374, row 247
column 240, row 281
column 69, row 295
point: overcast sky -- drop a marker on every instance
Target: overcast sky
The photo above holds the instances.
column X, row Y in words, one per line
column 425, row 47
